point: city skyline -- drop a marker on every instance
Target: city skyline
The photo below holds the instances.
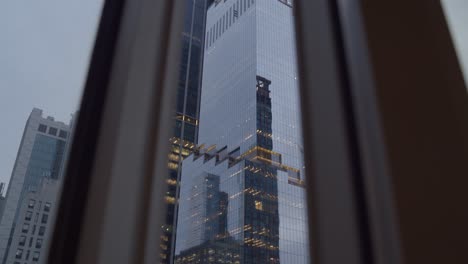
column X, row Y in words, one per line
column 48, row 85
column 49, row 74
column 35, row 76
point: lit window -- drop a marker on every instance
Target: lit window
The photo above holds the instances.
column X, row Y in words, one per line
column 171, row 182
column 172, row 165
column 170, row 200
column 259, row 205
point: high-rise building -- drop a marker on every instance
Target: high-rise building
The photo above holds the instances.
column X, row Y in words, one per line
column 2, row 198
column 34, row 225
column 186, row 120
column 41, row 156
column 242, row 197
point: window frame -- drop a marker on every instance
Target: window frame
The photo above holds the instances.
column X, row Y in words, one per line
column 129, row 86
column 427, row 145
column 127, row 62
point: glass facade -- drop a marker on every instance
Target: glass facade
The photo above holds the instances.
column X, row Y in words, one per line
column 45, row 162
column 187, row 112
column 242, row 196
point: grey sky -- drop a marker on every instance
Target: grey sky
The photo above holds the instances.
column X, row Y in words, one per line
column 45, row 48
column 457, row 14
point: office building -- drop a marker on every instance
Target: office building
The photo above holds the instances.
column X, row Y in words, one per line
column 186, row 120
column 242, row 190
column 2, row 198
column 41, row 155
column 34, row 224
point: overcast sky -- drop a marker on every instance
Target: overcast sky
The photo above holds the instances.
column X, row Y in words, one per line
column 457, row 14
column 45, row 48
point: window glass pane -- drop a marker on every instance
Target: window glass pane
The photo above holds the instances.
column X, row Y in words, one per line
column 39, row 243
column 36, row 256
column 22, row 240
column 42, row 128
column 42, row 230
column 44, row 219
column 236, row 172
column 19, row 253
column 44, row 57
column 28, row 216
column 47, row 207
column 456, row 12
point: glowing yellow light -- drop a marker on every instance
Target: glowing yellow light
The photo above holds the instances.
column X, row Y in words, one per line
column 172, row 165
column 259, row 205
column 170, row 200
column 171, row 182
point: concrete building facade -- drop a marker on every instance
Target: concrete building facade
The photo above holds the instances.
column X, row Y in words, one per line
column 41, row 155
column 35, row 222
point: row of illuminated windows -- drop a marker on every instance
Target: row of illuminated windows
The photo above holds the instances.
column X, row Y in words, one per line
column 52, row 131
column 225, row 22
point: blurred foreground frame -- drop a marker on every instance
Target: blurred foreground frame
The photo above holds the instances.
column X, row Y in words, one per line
column 386, row 151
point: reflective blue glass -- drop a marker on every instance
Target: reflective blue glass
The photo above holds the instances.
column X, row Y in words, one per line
column 242, row 196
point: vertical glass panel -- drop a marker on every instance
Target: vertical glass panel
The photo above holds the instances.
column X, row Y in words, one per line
column 236, row 171
column 44, row 56
column 456, row 12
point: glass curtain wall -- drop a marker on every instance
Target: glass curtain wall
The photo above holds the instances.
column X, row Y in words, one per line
column 241, row 197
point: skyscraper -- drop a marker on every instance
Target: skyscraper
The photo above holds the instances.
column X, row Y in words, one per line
column 34, row 225
column 41, row 156
column 186, row 120
column 251, row 143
